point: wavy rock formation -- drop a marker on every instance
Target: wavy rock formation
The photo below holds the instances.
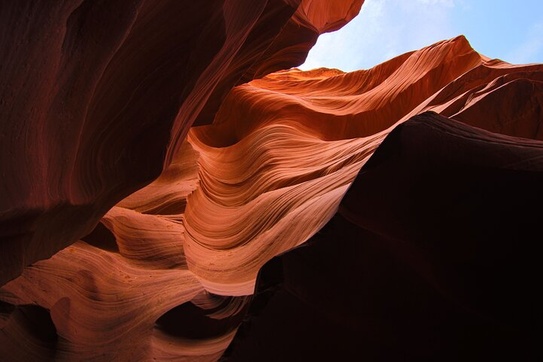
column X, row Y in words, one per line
column 432, row 255
column 168, row 201
column 97, row 98
column 288, row 145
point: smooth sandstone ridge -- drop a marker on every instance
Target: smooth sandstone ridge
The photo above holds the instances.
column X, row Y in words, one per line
column 97, row 98
column 164, row 200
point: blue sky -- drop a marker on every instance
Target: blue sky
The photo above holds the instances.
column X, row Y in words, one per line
column 504, row 29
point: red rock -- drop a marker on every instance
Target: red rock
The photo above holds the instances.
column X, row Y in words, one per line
column 432, row 255
column 97, row 98
column 150, row 184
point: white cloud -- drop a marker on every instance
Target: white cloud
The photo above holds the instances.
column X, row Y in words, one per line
column 387, row 28
column 344, row 48
column 382, row 30
column 448, row 3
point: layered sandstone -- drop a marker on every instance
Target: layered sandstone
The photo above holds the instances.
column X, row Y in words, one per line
column 97, row 98
column 159, row 193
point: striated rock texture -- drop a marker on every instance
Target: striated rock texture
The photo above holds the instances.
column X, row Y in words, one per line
column 431, row 255
column 165, row 200
column 97, row 97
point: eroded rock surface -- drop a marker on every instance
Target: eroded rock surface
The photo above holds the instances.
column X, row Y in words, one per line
column 161, row 199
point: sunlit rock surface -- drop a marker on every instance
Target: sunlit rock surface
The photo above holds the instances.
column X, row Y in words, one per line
column 432, row 255
column 161, row 200
column 97, row 97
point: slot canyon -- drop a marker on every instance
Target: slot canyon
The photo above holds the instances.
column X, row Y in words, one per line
column 173, row 187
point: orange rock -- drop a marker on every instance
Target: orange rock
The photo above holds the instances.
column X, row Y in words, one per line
column 97, row 99
column 162, row 163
